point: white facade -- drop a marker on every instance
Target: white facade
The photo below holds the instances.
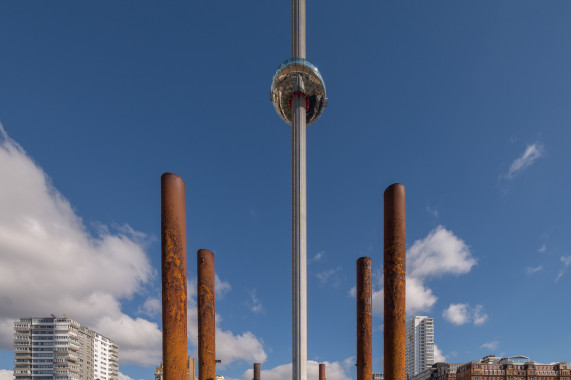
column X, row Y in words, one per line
column 61, row 348
column 419, row 345
column 104, row 358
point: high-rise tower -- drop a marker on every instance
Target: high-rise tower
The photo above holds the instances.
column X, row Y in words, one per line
column 61, row 348
column 298, row 94
column 419, row 344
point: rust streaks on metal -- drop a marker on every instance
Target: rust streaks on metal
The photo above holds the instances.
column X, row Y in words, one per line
column 321, row 371
column 173, row 276
column 206, row 316
column 364, row 319
column 394, row 271
column 256, row 371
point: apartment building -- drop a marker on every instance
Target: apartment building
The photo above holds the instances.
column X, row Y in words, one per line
column 419, row 345
column 49, row 348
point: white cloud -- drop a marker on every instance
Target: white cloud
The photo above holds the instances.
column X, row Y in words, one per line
column 543, row 248
column 318, row 256
column 418, row 297
column 491, row 345
column 566, row 261
column 438, row 356
column 124, row 377
column 255, row 304
column 353, row 292
column 441, row 252
column 462, row 313
column 151, row 307
column 333, row 371
column 457, row 314
column 533, row 270
column 529, row 156
column 330, row 276
column 221, row 287
column 45, row 245
column 432, row 211
column 140, row 340
column 6, row 374
column 438, row 254
column 478, row 315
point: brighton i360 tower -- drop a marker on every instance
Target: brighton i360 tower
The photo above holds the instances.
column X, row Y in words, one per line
column 298, row 94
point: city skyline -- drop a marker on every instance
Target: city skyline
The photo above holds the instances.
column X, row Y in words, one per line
column 465, row 104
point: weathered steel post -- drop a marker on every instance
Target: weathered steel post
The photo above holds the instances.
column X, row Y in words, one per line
column 321, row 371
column 173, row 276
column 364, row 319
column 394, row 271
column 256, row 371
column 206, row 316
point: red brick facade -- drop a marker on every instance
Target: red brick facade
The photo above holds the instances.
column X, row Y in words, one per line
column 478, row 370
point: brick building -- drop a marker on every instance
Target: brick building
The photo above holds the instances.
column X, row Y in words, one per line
column 512, row 368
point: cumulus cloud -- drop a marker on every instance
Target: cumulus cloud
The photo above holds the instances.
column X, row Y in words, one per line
column 438, row 356
column 462, row 313
column 334, row 370
column 6, row 374
column 418, row 297
column 439, row 253
column 457, row 314
column 151, row 307
column 529, row 156
column 491, row 345
column 45, row 245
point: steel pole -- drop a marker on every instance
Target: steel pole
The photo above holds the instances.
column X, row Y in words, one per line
column 394, row 271
column 321, row 371
column 299, row 207
column 364, row 319
column 173, row 276
column 298, row 28
column 206, row 316
column 256, row 371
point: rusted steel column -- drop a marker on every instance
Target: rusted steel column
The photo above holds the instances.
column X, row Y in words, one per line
column 206, row 322
column 321, row 371
column 173, row 275
column 256, row 371
column 364, row 319
column 394, row 271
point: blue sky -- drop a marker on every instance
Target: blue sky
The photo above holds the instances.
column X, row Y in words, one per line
column 465, row 103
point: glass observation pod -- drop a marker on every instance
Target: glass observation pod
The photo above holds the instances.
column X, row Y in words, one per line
column 285, row 83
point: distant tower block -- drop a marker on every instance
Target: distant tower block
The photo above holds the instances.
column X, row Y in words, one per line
column 298, row 76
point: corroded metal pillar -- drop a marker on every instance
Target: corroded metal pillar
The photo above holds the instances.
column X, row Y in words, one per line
column 394, row 271
column 364, row 319
column 206, row 316
column 256, row 371
column 173, row 276
column 321, row 371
